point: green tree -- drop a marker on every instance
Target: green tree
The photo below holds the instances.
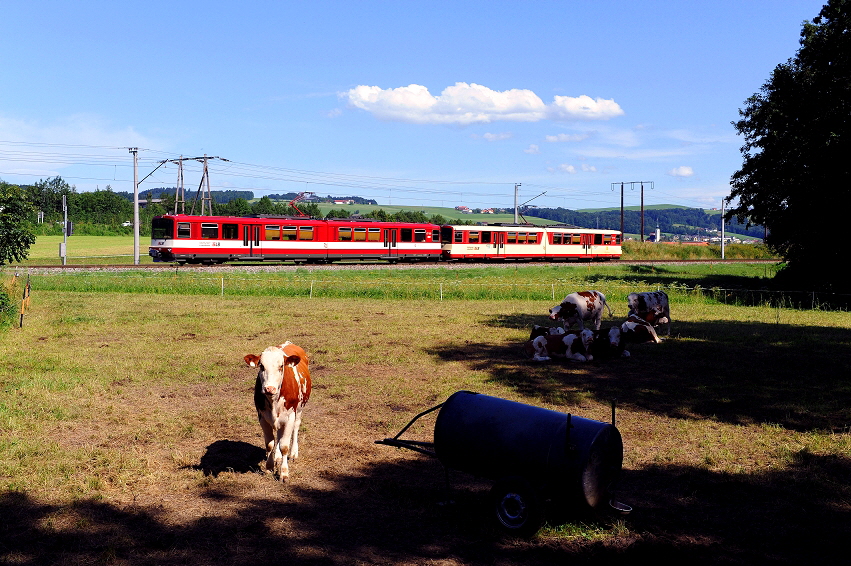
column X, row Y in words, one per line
column 16, row 233
column 100, row 207
column 46, row 196
column 796, row 175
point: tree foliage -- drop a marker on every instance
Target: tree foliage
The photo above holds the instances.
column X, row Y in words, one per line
column 796, row 172
column 16, row 234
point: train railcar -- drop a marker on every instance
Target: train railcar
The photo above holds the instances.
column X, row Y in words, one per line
column 528, row 242
column 217, row 239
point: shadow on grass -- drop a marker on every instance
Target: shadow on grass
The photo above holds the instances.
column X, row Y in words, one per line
column 390, row 513
column 230, row 456
column 741, row 373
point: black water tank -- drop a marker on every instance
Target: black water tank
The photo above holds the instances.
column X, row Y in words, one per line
column 497, row 438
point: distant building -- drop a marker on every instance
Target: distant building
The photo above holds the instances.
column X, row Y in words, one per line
column 344, row 202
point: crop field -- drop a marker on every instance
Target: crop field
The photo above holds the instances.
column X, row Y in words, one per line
column 128, row 434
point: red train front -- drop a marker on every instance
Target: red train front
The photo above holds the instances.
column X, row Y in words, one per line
column 217, row 239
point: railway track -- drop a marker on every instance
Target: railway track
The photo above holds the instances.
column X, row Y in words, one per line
column 267, row 266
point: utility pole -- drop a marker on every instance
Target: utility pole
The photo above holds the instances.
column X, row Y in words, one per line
column 135, row 152
column 632, row 187
column 179, row 195
column 516, row 219
column 722, row 228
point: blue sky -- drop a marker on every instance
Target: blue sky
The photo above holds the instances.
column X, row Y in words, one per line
column 410, row 103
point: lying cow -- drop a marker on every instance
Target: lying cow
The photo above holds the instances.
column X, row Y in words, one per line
column 571, row 346
column 579, row 307
column 280, row 393
column 609, row 343
column 545, row 331
column 652, row 307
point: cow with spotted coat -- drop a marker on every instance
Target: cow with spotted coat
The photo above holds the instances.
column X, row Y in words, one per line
column 280, row 393
column 578, row 307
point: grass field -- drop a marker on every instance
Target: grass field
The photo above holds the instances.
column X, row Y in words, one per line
column 127, row 432
column 119, row 250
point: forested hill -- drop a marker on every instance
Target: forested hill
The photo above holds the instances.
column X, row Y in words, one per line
column 684, row 221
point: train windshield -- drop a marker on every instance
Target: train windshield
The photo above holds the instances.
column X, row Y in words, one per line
column 162, row 229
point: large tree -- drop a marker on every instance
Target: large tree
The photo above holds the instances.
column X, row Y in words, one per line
column 16, row 234
column 796, row 175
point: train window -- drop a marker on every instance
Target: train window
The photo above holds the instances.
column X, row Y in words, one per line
column 273, row 233
column 459, row 236
column 617, row 239
column 230, row 231
column 533, row 237
column 556, row 238
column 407, row 235
column 209, row 231
column 374, row 235
column 511, row 238
column 162, row 229
column 419, row 235
column 486, row 237
column 598, row 239
column 305, row 233
column 435, row 235
column 521, row 237
column 473, row 237
column 344, row 234
column 360, row 234
column 183, row 230
column 576, row 238
column 290, row 232
column 607, row 239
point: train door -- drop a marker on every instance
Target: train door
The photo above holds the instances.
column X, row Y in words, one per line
column 499, row 244
column 251, row 241
column 390, row 246
column 587, row 241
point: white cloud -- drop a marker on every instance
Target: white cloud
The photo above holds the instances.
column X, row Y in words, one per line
column 532, row 149
column 585, row 108
column 589, row 168
column 682, row 171
column 565, row 168
column 568, row 137
column 497, row 137
column 465, row 103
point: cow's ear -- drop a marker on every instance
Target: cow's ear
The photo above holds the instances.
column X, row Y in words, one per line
column 293, row 360
column 252, row 360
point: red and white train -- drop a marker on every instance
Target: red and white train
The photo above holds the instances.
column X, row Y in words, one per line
column 217, row 239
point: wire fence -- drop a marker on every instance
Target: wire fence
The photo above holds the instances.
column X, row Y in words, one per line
column 424, row 289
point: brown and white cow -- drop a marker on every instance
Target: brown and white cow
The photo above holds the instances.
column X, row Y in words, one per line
column 636, row 330
column 572, row 346
column 579, row 307
column 652, row 307
column 280, row 393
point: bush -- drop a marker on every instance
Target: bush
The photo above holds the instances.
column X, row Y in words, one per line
column 8, row 309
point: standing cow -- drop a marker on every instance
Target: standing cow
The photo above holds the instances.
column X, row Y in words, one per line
column 280, row 393
column 579, row 307
column 652, row 307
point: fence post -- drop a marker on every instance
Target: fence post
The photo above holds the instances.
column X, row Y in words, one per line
column 311, row 289
column 553, row 290
column 223, row 286
column 441, row 291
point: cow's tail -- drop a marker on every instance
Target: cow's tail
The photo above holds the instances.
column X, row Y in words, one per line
column 611, row 314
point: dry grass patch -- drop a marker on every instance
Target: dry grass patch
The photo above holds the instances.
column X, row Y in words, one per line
column 127, row 433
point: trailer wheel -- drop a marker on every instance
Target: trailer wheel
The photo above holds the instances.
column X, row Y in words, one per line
column 517, row 507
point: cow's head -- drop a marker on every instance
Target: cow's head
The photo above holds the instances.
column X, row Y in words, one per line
column 612, row 337
column 271, row 364
column 555, row 312
column 587, row 337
